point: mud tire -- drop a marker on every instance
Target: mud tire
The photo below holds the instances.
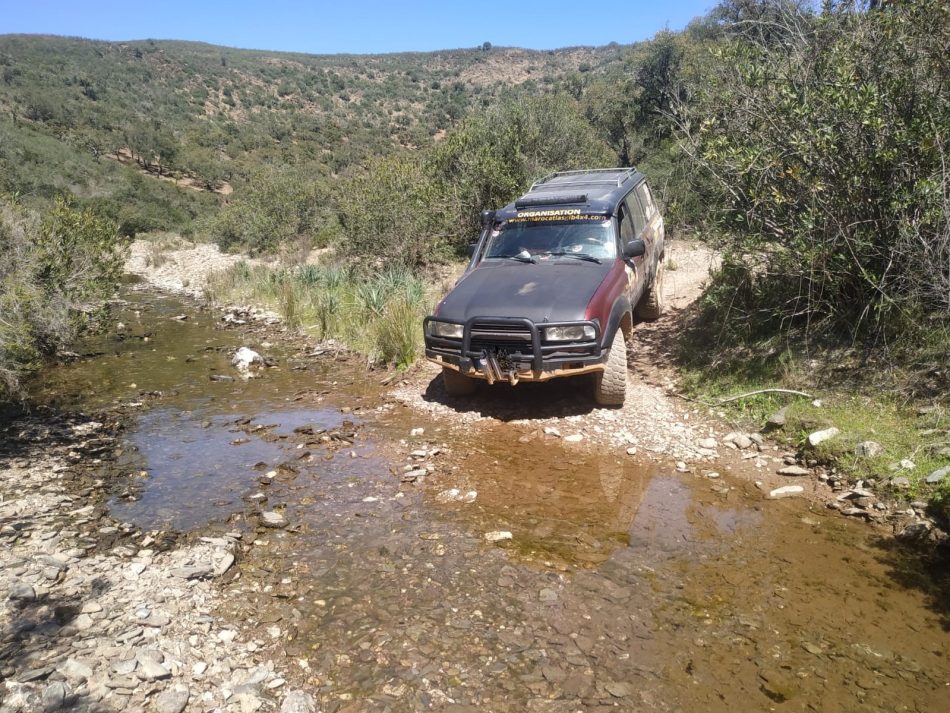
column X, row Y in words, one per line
column 610, row 385
column 457, row 384
column 651, row 305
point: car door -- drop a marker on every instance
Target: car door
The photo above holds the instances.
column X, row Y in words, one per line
column 644, row 229
column 634, row 267
column 654, row 219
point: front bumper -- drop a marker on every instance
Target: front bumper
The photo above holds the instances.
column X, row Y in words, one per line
column 513, row 349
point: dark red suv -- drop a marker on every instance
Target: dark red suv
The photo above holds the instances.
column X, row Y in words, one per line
column 553, row 284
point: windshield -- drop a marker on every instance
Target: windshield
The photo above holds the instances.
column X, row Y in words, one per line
column 553, row 239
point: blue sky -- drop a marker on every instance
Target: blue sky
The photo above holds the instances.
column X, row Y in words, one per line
column 359, row 26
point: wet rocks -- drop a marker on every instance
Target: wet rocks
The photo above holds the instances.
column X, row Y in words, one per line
column 273, row 519
column 817, row 437
column 298, row 702
column 244, row 358
column 455, row 495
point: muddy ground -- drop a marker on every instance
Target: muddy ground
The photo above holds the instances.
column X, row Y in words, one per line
column 177, row 537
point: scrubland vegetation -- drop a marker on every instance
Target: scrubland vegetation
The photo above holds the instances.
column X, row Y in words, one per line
column 807, row 141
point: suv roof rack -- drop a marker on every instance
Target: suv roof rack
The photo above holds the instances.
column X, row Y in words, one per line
column 619, row 177
column 557, row 199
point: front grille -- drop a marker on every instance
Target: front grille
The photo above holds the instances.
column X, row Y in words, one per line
column 501, row 333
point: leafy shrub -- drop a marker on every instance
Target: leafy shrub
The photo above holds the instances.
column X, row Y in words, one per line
column 53, row 271
column 275, row 207
column 826, row 140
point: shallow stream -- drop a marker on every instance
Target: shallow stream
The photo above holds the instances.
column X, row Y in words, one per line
column 625, row 585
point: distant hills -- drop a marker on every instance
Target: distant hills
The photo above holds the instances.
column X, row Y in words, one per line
column 103, row 119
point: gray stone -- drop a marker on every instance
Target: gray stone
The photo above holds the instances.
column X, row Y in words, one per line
column 75, row 670
column 793, row 470
column 152, row 671
column 938, row 475
column 787, row 491
column 198, row 571
column 548, row 596
column 273, row 519
column 54, row 697
column 742, row 441
column 821, row 436
column 868, row 449
column 619, row 689
column 125, row 667
column 224, row 564
column 22, row 592
column 35, row 674
column 172, row 700
column 298, row 702
column 777, row 419
column 708, row 443
column 83, row 622
column 900, row 482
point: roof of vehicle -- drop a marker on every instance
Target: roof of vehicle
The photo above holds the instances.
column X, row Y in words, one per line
column 598, row 190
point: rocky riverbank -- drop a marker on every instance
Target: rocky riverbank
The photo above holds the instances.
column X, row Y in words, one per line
column 101, row 615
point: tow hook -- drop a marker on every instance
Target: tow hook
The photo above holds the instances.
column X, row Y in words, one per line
column 493, row 371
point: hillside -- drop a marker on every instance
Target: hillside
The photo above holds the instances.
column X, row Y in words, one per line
column 72, row 108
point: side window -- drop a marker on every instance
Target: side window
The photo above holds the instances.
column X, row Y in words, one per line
column 643, row 193
column 627, row 231
column 637, row 212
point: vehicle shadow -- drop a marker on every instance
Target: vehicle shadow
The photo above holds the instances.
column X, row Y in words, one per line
column 525, row 402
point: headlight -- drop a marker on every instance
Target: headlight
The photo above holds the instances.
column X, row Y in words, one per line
column 576, row 333
column 445, row 330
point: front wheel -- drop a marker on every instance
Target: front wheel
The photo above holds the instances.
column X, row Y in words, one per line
column 651, row 305
column 610, row 385
column 457, row 384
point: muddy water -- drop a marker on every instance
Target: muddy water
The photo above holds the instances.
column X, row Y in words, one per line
column 625, row 586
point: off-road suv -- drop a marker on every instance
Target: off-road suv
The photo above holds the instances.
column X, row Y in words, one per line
column 553, row 284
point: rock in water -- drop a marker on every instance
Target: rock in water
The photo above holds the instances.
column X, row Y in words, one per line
column 243, row 359
column 273, row 519
column 787, row 491
column 298, row 702
column 821, row 436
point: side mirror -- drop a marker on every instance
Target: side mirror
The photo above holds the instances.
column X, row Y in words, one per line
column 488, row 218
column 635, row 248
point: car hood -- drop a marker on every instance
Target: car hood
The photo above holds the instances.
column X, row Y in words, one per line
column 542, row 292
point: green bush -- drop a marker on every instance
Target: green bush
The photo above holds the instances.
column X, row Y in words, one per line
column 54, row 270
column 825, row 142
column 275, row 207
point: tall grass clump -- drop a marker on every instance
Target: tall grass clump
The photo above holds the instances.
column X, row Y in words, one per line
column 378, row 314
